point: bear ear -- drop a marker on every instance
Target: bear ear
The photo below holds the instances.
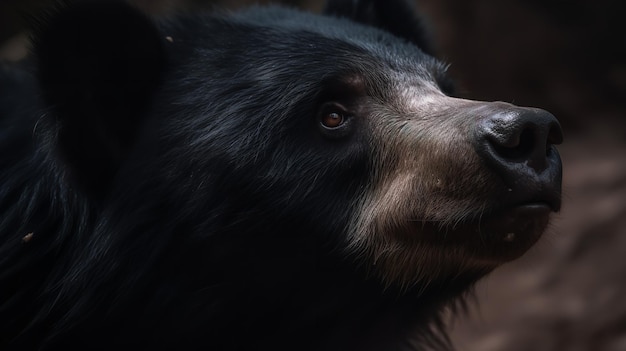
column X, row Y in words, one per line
column 99, row 63
column 399, row 17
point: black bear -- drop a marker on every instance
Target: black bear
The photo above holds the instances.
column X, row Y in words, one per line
column 260, row 180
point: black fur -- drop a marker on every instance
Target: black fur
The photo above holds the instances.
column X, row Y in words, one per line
column 397, row 17
column 167, row 186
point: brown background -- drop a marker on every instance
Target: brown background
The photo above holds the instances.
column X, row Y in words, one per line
column 569, row 57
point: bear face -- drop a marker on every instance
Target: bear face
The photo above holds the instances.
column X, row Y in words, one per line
column 392, row 143
column 266, row 179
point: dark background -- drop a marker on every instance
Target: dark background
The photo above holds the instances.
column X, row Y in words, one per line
column 569, row 57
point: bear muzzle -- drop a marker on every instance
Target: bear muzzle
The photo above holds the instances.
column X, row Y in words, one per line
column 518, row 145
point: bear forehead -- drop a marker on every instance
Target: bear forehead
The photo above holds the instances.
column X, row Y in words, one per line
column 288, row 35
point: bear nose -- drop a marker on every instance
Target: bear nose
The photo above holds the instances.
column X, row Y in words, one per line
column 517, row 143
column 521, row 137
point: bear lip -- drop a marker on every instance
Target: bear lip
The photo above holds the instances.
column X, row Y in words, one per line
column 499, row 235
column 510, row 233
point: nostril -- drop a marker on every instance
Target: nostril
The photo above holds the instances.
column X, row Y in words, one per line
column 517, row 147
column 555, row 134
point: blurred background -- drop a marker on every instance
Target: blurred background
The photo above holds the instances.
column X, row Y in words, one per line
column 568, row 57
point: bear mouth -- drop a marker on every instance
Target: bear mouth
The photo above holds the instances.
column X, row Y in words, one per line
column 508, row 234
column 498, row 236
column 513, row 226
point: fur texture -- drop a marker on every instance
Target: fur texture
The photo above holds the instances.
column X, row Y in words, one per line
column 267, row 179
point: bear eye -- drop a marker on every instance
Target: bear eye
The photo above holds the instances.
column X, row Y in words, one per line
column 332, row 120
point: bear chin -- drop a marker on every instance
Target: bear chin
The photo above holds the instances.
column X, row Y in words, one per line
column 495, row 238
column 422, row 252
column 514, row 231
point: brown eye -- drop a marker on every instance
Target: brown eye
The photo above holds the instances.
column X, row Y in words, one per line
column 332, row 120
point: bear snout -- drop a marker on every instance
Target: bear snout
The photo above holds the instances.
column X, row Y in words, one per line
column 518, row 145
